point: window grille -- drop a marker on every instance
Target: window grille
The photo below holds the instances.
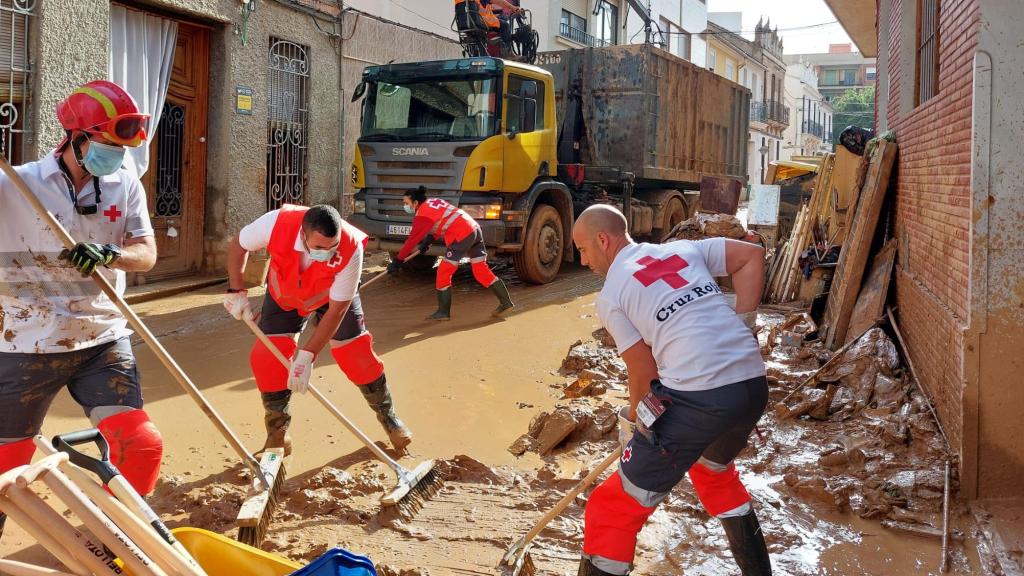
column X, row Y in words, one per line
column 15, row 77
column 287, row 123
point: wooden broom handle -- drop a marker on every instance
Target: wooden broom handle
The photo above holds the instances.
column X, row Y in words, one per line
column 571, row 495
column 137, row 325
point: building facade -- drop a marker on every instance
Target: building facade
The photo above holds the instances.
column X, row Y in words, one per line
column 810, row 128
column 758, row 66
column 255, row 110
column 949, row 85
column 841, row 69
column 676, row 25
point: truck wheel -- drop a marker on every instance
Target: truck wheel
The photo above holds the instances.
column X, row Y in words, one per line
column 673, row 213
column 541, row 257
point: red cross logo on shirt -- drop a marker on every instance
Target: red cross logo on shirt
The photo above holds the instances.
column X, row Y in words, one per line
column 627, row 454
column 667, row 270
column 113, row 213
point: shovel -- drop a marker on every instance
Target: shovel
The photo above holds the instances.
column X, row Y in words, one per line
column 518, row 556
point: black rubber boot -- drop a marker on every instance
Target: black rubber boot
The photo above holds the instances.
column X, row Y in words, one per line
column 378, row 397
column 444, row 305
column 747, row 544
column 588, row 569
column 504, row 301
column 276, row 419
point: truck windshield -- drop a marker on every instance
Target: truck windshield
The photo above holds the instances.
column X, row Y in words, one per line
column 436, row 110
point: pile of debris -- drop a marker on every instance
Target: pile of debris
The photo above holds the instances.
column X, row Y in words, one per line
column 704, row 225
column 573, row 423
column 879, row 451
column 594, row 367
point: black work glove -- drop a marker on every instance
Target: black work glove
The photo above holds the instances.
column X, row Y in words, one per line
column 86, row 256
column 424, row 244
column 394, row 266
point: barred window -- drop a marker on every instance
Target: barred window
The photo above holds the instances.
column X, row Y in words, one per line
column 287, row 123
column 927, row 49
column 15, row 77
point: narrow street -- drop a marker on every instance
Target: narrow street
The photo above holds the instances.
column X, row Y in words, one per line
column 466, row 415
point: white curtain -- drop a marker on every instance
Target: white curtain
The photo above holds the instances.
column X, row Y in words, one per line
column 141, row 61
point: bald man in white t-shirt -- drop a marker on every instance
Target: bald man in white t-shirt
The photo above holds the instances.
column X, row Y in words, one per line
column 697, row 384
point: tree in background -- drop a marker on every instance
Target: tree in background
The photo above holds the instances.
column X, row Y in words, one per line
column 856, row 107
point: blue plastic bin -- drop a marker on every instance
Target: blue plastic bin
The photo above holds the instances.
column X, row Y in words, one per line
column 338, row 562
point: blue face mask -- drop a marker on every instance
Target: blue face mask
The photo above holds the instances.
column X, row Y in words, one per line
column 408, row 209
column 103, row 159
column 321, row 255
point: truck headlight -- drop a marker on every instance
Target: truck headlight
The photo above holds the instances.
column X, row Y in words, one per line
column 483, row 211
column 359, row 206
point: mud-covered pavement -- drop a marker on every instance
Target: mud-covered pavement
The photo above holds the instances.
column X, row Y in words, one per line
column 469, row 389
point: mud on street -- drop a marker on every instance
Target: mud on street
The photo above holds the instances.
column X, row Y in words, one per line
column 517, row 411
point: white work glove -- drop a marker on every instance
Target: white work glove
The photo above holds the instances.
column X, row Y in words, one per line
column 237, row 304
column 749, row 320
column 299, row 371
column 627, row 427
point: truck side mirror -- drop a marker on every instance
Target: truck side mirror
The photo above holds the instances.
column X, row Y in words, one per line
column 529, row 123
column 359, row 91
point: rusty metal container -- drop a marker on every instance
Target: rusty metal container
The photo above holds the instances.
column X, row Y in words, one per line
column 643, row 110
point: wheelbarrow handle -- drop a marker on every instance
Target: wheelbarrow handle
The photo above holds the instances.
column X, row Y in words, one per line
column 101, row 467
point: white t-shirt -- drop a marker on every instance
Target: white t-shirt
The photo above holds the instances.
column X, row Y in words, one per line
column 256, row 236
column 666, row 295
column 46, row 306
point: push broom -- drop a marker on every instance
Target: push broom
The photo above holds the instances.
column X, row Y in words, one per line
column 413, row 486
column 268, row 472
column 517, row 559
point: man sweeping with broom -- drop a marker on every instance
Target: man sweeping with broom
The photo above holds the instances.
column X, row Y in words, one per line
column 59, row 329
column 697, row 384
column 315, row 263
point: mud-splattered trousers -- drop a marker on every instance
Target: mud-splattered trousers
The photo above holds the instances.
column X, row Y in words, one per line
column 104, row 381
column 701, row 432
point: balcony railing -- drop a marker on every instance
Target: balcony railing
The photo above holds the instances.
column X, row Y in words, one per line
column 814, row 128
column 580, row 36
column 770, row 111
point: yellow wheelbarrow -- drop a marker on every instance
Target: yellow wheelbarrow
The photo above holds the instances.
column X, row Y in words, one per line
column 222, row 556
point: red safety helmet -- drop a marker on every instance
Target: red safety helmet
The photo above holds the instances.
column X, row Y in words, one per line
column 104, row 109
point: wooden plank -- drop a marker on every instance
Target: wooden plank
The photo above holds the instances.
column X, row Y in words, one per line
column 871, row 302
column 854, row 256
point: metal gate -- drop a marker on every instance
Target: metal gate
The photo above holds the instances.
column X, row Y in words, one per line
column 287, row 123
column 15, row 77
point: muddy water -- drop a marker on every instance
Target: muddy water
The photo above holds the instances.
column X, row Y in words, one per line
column 467, row 387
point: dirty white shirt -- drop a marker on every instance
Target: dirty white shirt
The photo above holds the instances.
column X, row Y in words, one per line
column 666, row 296
column 256, row 236
column 46, row 306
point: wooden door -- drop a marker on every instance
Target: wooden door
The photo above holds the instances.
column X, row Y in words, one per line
column 176, row 180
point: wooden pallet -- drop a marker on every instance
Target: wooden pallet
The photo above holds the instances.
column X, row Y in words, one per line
column 846, row 283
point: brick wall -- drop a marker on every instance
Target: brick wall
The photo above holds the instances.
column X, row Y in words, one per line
column 933, row 200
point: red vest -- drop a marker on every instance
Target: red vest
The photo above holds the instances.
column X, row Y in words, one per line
column 309, row 290
column 451, row 223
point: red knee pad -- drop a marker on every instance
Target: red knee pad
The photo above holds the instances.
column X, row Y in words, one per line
column 613, row 520
column 718, row 491
column 445, row 271
column 483, row 274
column 358, row 361
column 270, row 374
column 16, row 454
column 135, row 448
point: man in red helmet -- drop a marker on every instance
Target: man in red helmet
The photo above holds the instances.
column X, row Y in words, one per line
column 59, row 329
column 316, row 259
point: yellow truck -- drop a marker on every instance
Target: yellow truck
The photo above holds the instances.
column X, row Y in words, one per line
column 523, row 149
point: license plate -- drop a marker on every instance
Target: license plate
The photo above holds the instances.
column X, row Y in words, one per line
column 399, row 230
